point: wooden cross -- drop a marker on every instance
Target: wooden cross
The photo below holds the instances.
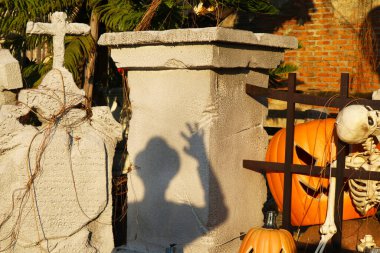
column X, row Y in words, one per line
column 291, row 97
column 58, row 28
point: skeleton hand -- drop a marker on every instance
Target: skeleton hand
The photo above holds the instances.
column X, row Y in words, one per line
column 328, row 229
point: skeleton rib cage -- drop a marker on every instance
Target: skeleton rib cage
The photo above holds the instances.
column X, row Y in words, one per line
column 358, row 124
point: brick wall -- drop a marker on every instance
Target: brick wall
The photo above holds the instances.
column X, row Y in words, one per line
column 330, row 45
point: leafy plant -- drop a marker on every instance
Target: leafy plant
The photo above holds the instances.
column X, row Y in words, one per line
column 113, row 15
column 278, row 75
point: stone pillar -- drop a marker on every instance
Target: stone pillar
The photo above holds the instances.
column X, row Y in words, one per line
column 192, row 125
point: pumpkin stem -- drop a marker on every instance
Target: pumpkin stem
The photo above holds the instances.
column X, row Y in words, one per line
column 270, row 220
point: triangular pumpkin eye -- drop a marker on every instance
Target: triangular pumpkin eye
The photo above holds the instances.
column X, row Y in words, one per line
column 304, row 156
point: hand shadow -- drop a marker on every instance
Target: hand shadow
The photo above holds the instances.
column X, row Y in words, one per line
column 198, row 150
column 163, row 220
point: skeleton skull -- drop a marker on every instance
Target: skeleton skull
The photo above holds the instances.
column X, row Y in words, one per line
column 355, row 123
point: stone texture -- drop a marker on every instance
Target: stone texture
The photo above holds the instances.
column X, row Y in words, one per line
column 58, row 28
column 197, row 36
column 10, row 75
column 55, row 184
column 68, row 207
column 352, row 11
column 70, row 148
column 7, row 97
column 191, row 128
column 199, row 57
column 50, row 99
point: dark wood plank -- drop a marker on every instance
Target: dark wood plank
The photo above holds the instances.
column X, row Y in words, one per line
column 289, row 149
column 337, row 102
column 315, row 171
column 342, row 152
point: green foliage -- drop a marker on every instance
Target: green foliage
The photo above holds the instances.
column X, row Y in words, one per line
column 116, row 15
column 78, row 49
column 253, row 6
column 279, row 74
column 119, row 15
column 33, row 72
column 14, row 14
column 124, row 15
column 171, row 14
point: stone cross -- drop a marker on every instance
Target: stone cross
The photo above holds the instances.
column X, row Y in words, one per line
column 58, row 28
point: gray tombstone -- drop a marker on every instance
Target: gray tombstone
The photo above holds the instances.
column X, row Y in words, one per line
column 55, row 183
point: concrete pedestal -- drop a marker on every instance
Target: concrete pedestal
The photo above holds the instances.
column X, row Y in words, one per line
column 192, row 125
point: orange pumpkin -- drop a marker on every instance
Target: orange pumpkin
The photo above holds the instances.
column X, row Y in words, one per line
column 268, row 239
column 313, row 139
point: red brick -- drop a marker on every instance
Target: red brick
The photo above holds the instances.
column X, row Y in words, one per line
column 341, row 42
column 329, row 48
column 308, row 43
column 323, row 74
column 327, row 15
column 325, row 9
column 332, row 47
column 321, row 53
column 348, row 47
column 323, row 42
column 306, row 64
column 331, row 58
column 322, row 64
column 315, row 16
column 307, row 74
column 315, row 26
column 323, row 32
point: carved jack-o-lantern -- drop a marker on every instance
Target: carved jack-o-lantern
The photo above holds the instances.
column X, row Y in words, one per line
column 312, row 146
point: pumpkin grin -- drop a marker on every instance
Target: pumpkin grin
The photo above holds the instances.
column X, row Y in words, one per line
column 313, row 146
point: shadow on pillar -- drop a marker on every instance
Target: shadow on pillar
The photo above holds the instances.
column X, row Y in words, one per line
column 174, row 220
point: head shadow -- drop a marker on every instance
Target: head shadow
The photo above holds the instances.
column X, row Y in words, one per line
column 173, row 178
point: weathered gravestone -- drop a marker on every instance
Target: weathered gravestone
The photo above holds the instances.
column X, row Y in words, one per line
column 55, row 183
column 10, row 77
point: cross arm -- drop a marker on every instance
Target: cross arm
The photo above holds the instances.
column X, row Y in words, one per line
column 256, row 91
column 77, row 29
column 39, row 28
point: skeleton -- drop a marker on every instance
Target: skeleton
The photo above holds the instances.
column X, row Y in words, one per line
column 360, row 124
column 355, row 124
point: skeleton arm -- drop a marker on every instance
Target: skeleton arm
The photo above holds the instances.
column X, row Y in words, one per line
column 328, row 229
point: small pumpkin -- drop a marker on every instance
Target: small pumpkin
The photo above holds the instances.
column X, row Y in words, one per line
column 312, row 146
column 268, row 239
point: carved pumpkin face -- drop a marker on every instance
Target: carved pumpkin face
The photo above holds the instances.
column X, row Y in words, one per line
column 264, row 240
column 312, row 146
